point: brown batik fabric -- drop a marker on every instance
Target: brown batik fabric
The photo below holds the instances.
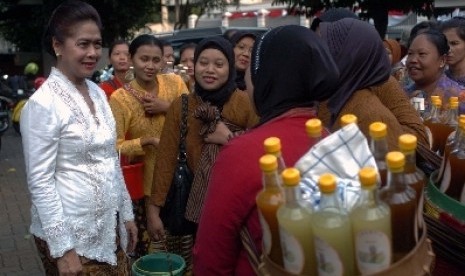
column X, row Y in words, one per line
column 89, row 267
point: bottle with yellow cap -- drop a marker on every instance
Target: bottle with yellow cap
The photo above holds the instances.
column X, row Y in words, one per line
column 295, row 228
column 448, row 125
column 332, row 232
column 452, row 142
column 433, row 124
column 379, row 148
column 272, row 146
column 348, row 119
column 401, row 199
column 453, row 179
column 314, row 129
column 413, row 175
column 371, row 226
column 268, row 200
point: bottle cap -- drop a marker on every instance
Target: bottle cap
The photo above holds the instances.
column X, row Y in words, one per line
column 367, row 176
column 453, row 105
column 407, row 142
column 268, row 162
column 461, row 116
column 313, row 127
column 453, row 99
column 327, row 183
column 437, row 102
column 348, row 119
column 291, row 177
column 395, row 160
column 435, row 97
column 378, row 130
column 272, row 145
column 461, row 121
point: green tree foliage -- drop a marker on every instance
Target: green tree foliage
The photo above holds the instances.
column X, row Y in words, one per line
column 23, row 25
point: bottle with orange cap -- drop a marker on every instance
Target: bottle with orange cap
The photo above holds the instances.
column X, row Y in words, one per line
column 332, row 232
column 371, row 226
column 295, row 228
column 401, row 199
column 348, row 119
column 379, row 148
column 314, row 129
column 268, row 200
column 272, row 146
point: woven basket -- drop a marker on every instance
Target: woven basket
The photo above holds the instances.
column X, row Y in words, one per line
column 445, row 218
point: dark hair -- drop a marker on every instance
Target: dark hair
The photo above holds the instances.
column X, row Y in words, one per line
column 190, row 45
column 116, row 43
column 63, row 18
column 166, row 43
column 420, row 28
column 333, row 15
column 457, row 23
column 238, row 36
column 438, row 39
column 144, row 39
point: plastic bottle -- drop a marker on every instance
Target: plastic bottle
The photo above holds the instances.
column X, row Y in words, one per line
column 371, row 226
column 379, row 148
column 268, row 200
column 314, row 129
column 272, row 146
column 295, row 228
column 433, row 124
column 333, row 232
column 401, row 199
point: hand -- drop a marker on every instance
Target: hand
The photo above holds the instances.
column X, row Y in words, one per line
column 154, row 105
column 69, row 264
column 131, row 229
column 154, row 223
column 220, row 136
column 145, row 141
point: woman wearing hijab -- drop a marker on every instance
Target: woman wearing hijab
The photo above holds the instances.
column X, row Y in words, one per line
column 242, row 42
column 284, row 100
column 365, row 87
column 215, row 113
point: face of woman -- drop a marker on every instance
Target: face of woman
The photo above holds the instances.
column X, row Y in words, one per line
column 147, row 62
column 119, row 58
column 80, row 52
column 168, row 53
column 187, row 59
column 211, row 69
column 424, row 64
column 242, row 52
column 457, row 47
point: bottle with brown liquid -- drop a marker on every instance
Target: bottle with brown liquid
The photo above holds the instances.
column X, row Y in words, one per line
column 450, row 145
column 432, row 120
column 268, row 200
column 314, row 129
column 449, row 125
column 401, row 199
column 453, row 179
column 379, row 148
column 272, row 146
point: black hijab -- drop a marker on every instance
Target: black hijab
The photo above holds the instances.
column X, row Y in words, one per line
column 305, row 74
column 360, row 56
column 221, row 95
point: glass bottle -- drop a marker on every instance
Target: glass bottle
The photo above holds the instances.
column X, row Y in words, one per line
column 295, row 228
column 371, row 226
column 332, row 231
column 450, row 145
column 268, row 200
column 272, row 146
column 401, row 199
column 379, row 148
column 314, row 129
column 348, row 119
column 453, row 179
column 433, row 123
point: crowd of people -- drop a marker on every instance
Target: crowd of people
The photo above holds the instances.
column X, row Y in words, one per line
column 241, row 89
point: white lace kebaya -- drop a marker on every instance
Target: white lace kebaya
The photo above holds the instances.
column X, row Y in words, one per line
column 73, row 173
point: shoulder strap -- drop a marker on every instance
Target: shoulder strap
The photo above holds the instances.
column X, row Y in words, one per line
column 252, row 253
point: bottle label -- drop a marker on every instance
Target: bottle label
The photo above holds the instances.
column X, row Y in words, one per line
column 329, row 262
column 418, row 103
column 266, row 234
column 373, row 251
column 293, row 254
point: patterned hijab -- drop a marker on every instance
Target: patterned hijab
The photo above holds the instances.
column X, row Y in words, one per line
column 305, row 74
column 220, row 96
column 360, row 56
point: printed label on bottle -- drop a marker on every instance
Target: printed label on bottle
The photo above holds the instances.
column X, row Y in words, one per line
column 373, row 251
column 293, row 254
column 329, row 262
column 266, row 234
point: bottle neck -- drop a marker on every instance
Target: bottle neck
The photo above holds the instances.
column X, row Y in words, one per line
column 379, row 148
column 281, row 163
column 395, row 179
column 314, row 139
column 434, row 117
column 271, row 180
column 292, row 195
column 451, row 117
column 329, row 201
column 410, row 161
column 368, row 196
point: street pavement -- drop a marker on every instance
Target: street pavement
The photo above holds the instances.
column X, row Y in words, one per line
column 18, row 254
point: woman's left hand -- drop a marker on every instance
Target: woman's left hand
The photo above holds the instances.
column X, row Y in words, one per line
column 131, row 229
column 155, row 105
column 220, row 136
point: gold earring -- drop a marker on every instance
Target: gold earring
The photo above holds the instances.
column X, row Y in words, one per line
column 129, row 74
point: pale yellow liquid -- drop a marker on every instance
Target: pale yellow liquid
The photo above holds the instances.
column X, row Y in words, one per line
column 374, row 218
column 297, row 222
column 335, row 229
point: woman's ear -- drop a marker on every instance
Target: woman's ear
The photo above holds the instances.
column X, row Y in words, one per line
column 56, row 46
column 442, row 63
